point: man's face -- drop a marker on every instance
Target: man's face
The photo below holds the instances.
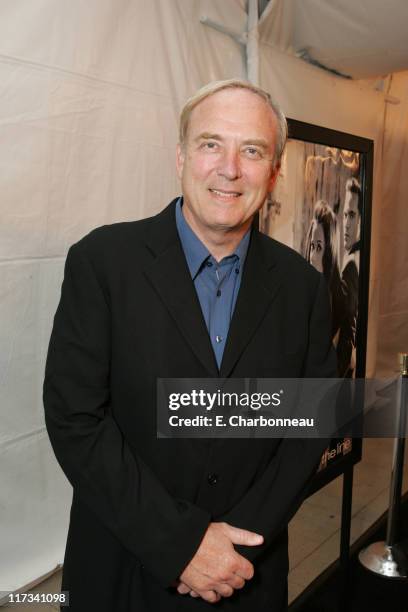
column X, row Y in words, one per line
column 226, row 164
column 351, row 220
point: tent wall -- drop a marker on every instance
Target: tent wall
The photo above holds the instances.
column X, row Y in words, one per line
column 392, row 251
column 90, row 94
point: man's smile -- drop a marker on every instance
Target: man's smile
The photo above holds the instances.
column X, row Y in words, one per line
column 225, row 194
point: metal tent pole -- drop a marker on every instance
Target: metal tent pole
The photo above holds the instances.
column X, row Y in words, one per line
column 248, row 41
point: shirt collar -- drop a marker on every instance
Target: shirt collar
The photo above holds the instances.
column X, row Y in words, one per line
column 195, row 251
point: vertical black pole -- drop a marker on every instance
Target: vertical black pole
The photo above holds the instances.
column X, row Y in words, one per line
column 344, row 583
column 398, row 463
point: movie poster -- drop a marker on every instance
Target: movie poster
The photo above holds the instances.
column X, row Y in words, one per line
column 316, row 209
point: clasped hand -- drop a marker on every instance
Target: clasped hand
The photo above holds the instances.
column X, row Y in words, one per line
column 216, row 569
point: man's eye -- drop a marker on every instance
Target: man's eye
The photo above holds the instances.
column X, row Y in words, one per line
column 209, row 146
column 252, row 153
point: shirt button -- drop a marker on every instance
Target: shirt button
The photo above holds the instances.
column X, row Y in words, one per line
column 218, row 293
column 236, row 270
column 212, row 479
column 209, row 264
column 218, row 339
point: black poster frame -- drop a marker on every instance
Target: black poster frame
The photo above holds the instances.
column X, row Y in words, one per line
column 314, row 134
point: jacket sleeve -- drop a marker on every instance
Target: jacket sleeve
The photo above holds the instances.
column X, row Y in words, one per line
column 275, row 497
column 348, row 322
column 122, row 492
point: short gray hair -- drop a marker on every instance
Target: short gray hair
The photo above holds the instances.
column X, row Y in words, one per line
column 215, row 86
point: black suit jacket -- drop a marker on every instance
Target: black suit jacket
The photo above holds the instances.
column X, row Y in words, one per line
column 129, row 314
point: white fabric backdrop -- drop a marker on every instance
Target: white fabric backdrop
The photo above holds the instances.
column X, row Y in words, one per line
column 90, row 94
column 89, row 98
column 392, row 247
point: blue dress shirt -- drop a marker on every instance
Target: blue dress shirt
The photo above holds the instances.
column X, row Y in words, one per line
column 217, row 283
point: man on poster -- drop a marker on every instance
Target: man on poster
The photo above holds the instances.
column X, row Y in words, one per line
column 194, row 292
column 346, row 348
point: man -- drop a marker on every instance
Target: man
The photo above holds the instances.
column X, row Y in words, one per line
column 352, row 216
column 349, row 278
column 164, row 524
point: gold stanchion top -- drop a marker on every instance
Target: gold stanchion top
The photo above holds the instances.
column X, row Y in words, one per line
column 403, row 363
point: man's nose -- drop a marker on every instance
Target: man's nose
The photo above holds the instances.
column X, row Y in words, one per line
column 230, row 164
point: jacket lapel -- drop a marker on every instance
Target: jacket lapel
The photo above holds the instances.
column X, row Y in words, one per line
column 169, row 274
column 259, row 286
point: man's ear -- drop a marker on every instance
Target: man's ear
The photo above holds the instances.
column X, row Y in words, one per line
column 274, row 176
column 180, row 156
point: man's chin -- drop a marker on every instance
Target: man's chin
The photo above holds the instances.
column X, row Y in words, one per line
column 230, row 225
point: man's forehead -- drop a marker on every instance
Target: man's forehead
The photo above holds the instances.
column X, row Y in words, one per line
column 229, row 109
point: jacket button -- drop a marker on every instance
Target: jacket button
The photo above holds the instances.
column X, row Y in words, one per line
column 212, row 479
